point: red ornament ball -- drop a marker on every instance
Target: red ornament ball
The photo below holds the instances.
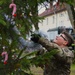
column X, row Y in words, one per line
column 14, row 15
column 5, row 62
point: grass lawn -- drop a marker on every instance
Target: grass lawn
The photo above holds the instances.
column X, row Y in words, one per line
column 73, row 69
column 39, row 71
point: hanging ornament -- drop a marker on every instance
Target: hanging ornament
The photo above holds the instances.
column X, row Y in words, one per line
column 13, row 5
column 14, row 15
column 5, row 62
column 5, row 55
column 18, row 65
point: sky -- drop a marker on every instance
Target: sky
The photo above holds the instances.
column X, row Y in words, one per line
column 43, row 6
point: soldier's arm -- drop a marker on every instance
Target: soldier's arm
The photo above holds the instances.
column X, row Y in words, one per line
column 47, row 44
column 63, row 55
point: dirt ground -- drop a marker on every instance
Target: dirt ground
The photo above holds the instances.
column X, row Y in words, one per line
column 37, row 71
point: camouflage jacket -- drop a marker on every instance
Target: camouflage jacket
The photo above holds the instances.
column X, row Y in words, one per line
column 60, row 64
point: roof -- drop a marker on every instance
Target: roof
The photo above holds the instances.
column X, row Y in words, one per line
column 51, row 11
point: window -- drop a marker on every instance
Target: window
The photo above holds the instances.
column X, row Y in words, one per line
column 47, row 21
column 53, row 19
column 61, row 23
column 42, row 22
column 61, row 15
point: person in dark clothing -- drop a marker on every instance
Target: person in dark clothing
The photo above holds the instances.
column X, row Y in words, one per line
column 61, row 63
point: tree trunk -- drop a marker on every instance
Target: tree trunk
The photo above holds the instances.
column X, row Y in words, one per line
column 71, row 13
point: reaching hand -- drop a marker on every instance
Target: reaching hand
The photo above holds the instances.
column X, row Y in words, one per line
column 35, row 37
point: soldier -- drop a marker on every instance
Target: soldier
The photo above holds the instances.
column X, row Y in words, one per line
column 61, row 62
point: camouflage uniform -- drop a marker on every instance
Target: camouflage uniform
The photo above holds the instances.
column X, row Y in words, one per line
column 60, row 64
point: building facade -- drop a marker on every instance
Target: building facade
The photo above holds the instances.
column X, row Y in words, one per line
column 53, row 18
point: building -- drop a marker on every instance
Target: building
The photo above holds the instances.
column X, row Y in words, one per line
column 53, row 18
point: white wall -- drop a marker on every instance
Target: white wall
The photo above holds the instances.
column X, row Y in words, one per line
column 55, row 20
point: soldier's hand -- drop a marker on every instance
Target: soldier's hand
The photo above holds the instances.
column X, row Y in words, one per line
column 35, row 37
